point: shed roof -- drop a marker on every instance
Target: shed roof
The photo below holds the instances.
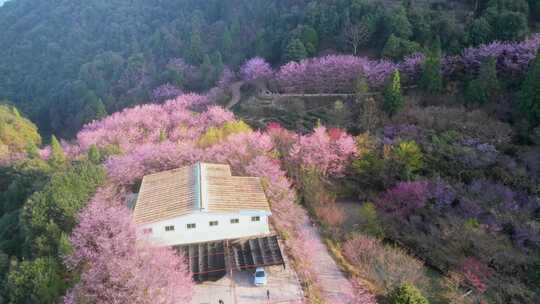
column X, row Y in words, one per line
column 202, row 187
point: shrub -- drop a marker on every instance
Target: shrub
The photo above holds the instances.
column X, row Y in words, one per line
column 405, row 198
column 369, row 222
column 386, row 267
column 407, row 294
column 214, row 134
column 331, row 215
column 410, row 158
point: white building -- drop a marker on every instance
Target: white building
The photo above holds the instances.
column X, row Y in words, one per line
column 200, row 203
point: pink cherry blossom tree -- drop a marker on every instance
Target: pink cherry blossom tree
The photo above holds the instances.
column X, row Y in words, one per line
column 329, row 152
column 115, row 267
column 256, row 69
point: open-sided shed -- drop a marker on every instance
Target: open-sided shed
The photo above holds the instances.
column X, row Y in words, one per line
column 206, row 260
column 212, row 260
column 257, row 252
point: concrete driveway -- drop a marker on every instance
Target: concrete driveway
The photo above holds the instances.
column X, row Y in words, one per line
column 283, row 285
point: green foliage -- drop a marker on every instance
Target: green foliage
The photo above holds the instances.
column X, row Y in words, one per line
column 295, row 51
column 397, row 23
column 393, row 98
column 479, row 31
column 94, row 155
column 52, row 210
column 38, row 208
column 397, row 48
column 407, row 294
column 529, row 96
column 431, row 79
column 32, row 150
column 214, row 135
column 369, row 222
column 409, row 156
column 37, row 281
column 57, row 158
column 486, row 86
column 16, row 132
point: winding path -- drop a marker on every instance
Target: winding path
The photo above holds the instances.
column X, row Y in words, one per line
column 236, row 95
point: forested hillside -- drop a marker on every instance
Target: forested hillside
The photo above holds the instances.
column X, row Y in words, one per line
column 64, row 63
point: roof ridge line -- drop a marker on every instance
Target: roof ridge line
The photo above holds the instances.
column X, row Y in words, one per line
column 203, row 188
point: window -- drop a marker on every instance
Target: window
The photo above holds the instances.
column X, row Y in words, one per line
column 191, row 226
column 235, row 221
column 169, row 228
column 147, row 231
column 255, row 218
column 213, row 223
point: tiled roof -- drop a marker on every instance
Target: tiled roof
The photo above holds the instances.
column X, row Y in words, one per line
column 202, row 187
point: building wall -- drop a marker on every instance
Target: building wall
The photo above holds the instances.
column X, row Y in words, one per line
column 203, row 232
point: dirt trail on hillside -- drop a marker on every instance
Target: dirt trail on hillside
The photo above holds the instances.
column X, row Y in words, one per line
column 236, row 95
column 337, row 289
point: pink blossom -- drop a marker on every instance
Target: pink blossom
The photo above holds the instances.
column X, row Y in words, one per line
column 256, row 69
column 321, row 151
column 117, row 269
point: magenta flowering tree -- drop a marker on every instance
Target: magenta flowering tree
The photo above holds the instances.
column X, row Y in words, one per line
column 404, row 198
column 165, row 92
column 256, row 69
column 329, row 152
column 513, row 58
column 116, row 268
column 329, row 74
column 337, row 73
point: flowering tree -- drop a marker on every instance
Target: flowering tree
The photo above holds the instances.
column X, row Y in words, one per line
column 116, row 268
column 331, row 74
column 256, row 69
column 404, row 198
column 337, row 73
column 475, row 273
column 166, row 91
column 327, row 151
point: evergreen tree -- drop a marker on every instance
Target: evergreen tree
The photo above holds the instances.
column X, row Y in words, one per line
column 94, row 155
column 295, row 51
column 393, row 98
column 407, row 294
column 529, row 97
column 32, row 150
column 226, row 42
column 196, row 42
column 57, row 158
column 431, row 79
column 486, row 86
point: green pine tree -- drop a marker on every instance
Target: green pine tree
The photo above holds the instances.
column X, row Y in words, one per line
column 94, row 155
column 407, row 294
column 486, row 86
column 529, row 97
column 57, row 158
column 431, row 79
column 32, row 150
column 393, row 98
column 295, row 50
